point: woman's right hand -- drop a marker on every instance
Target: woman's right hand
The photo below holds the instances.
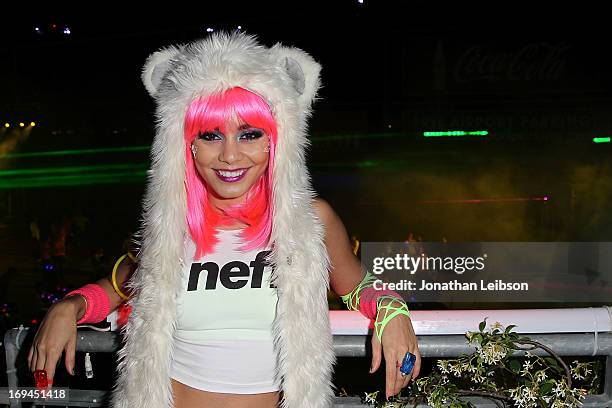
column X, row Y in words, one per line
column 57, row 334
column 57, row 331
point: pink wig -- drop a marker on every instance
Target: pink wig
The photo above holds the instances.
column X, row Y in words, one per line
column 206, row 114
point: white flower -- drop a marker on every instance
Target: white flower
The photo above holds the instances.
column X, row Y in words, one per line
column 455, row 369
column 541, row 375
column 371, row 397
column 443, row 366
column 492, row 353
column 497, row 325
column 529, row 394
column 560, row 388
column 524, row 397
column 580, row 370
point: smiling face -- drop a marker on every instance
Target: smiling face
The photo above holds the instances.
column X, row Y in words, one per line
column 229, row 178
column 231, row 160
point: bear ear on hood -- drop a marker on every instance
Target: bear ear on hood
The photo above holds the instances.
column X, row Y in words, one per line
column 157, row 66
column 303, row 70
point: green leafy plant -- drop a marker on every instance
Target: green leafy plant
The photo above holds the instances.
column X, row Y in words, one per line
column 491, row 371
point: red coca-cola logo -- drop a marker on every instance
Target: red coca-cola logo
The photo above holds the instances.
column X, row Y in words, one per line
column 534, row 62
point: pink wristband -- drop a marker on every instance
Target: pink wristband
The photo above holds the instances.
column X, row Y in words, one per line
column 98, row 303
column 368, row 298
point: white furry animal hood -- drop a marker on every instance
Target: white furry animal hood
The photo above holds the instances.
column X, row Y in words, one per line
column 288, row 79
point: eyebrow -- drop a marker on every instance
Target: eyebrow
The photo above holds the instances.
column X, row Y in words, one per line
column 242, row 127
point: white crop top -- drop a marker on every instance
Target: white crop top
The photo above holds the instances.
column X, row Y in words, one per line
column 223, row 341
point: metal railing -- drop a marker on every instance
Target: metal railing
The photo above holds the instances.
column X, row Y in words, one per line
column 431, row 345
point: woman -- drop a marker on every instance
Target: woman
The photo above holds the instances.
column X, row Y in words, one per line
column 229, row 304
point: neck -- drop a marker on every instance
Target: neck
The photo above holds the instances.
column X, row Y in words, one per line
column 220, row 204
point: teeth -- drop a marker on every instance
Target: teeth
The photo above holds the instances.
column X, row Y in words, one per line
column 236, row 173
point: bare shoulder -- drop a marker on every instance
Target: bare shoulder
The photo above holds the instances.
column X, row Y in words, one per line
column 345, row 268
column 325, row 211
column 334, row 227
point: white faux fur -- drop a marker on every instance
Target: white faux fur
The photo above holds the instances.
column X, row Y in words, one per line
column 288, row 79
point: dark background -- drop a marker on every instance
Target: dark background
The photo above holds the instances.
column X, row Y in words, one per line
column 535, row 76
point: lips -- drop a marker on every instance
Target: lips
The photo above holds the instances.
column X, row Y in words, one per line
column 231, row 176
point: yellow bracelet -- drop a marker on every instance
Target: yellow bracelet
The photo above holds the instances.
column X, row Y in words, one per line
column 114, row 276
column 132, row 257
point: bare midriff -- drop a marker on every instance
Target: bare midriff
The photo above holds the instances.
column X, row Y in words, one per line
column 188, row 397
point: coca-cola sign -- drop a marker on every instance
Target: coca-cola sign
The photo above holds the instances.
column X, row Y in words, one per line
column 539, row 61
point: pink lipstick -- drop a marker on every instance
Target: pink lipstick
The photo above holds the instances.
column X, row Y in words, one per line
column 231, row 176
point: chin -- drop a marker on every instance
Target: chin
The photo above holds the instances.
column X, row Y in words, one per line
column 229, row 193
column 230, row 196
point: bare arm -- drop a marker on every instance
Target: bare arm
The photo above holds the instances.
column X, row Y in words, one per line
column 57, row 331
column 345, row 275
column 345, row 270
column 124, row 271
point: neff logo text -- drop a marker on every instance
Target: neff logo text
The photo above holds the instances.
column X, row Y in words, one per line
column 233, row 269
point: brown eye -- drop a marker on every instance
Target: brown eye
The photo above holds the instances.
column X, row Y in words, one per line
column 208, row 136
column 251, row 135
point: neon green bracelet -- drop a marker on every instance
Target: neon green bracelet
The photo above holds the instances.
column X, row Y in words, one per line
column 351, row 299
column 396, row 310
column 366, row 291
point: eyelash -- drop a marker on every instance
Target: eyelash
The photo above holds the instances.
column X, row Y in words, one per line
column 207, row 136
column 252, row 135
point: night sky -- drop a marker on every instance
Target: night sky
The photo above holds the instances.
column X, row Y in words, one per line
column 89, row 81
column 535, row 75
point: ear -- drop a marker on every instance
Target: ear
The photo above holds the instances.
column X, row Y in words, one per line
column 303, row 70
column 156, row 67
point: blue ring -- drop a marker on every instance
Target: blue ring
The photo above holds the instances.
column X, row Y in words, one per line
column 408, row 363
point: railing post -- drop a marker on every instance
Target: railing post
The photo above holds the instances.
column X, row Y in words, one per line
column 13, row 339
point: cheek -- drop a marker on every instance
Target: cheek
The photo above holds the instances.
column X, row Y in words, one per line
column 199, row 170
column 263, row 164
column 203, row 159
column 202, row 168
column 261, row 159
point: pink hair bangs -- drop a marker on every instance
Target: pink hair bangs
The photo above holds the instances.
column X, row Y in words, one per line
column 206, row 114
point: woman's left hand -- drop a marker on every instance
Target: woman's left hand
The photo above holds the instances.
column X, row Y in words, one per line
column 346, row 273
column 398, row 338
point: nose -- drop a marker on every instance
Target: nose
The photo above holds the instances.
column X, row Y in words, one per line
column 230, row 151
